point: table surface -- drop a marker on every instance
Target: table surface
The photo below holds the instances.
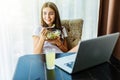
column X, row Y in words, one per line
column 32, row 67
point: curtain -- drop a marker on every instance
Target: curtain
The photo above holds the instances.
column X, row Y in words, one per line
column 19, row 17
column 109, row 21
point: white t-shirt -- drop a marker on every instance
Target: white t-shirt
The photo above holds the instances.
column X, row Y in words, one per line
column 48, row 45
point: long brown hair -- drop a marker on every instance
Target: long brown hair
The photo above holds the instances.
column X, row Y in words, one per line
column 57, row 20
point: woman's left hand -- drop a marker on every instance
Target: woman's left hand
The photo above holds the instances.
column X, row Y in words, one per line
column 55, row 41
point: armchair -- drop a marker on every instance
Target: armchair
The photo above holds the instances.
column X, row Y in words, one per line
column 74, row 31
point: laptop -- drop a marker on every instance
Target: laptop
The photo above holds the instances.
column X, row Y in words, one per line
column 90, row 53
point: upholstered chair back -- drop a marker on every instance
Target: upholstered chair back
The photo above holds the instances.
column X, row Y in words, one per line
column 74, row 31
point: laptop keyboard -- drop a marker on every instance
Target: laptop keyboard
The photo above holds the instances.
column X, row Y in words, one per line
column 70, row 64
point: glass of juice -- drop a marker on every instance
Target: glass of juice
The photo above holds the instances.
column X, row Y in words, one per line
column 50, row 59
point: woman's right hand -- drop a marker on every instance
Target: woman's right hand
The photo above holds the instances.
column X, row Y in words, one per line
column 43, row 33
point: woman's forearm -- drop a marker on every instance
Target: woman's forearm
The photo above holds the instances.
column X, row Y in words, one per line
column 38, row 45
column 63, row 46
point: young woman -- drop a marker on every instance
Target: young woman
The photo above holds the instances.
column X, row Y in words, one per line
column 50, row 21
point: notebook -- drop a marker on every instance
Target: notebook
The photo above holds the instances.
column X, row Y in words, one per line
column 90, row 53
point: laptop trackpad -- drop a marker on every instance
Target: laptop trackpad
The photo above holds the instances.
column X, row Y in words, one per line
column 67, row 60
column 70, row 64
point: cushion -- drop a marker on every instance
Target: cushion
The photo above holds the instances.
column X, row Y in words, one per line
column 74, row 31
